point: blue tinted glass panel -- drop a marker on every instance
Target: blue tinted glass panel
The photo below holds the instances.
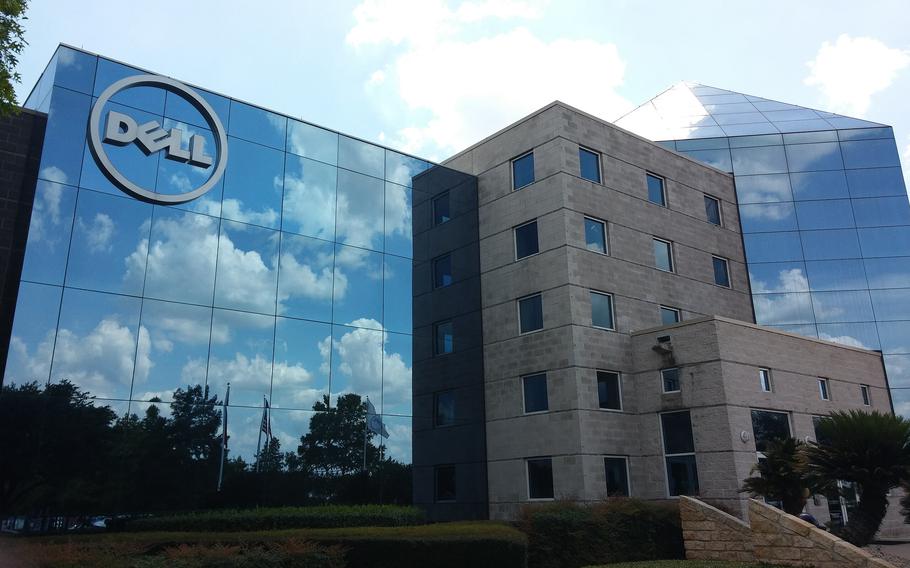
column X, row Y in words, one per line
column 401, row 169
column 309, row 198
column 257, row 125
column 253, row 184
column 589, row 164
column 701, row 144
column 49, row 233
column 862, row 335
column 876, row 182
column 396, row 378
column 894, row 336
column 526, row 240
column 881, row 211
column 398, row 220
column 180, row 110
column 773, row 247
column 174, row 177
column 887, row 272
column 728, row 108
column 300, row 377
column 809, row 330
column 899, row 378
column 595, row 236
column 442, row 271
column 749, row 129
column 656, row 192
column 865, row 133
column 61, row 156
column 97, row 343
column 359, row 216
column 305, row 280
column 843, row 306
column 870, row 154
column 891, row 305
column 769, row 217
column 836, row 274
column 812, row 157
column 763, row 189
column 750, row 141
column 778, row 309
column 358, row 287
column 808, row 137
column 246, row 277
column 601, row 310
column 712, row 210
column 663, row 255
column 778, row 277
column 523, row 171
column 109, row 244
column 819, row 185
column 361, row 157
column 530, row 312
column 241, row 354
column 829, row 214
column 75, row 70
column 785, row 115
column 885, row 241
column 397, row 294
column 182, row 254
column 535, row 392
column 312, row 142
column 834, row 244
column 739, row 118
column 719, row 159
column 34, row 328
column 801, row 125
column 721, row 272
column 444, row 339
column 149, row 99
column 722, row 99
column 762, row 160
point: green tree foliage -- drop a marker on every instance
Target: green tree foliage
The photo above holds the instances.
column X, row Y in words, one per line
column 870, row 449
column 270, row 458
column 782, row 475
column 334, row 445
column 12, row 42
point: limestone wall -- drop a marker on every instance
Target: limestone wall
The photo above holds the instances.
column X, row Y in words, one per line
column 773, row 537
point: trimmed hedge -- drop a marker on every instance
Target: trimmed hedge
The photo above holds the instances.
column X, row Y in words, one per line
column 277, row 518
column 444, row 545
column 567, row 535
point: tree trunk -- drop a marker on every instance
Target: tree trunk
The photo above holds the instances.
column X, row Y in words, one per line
column 863, row 522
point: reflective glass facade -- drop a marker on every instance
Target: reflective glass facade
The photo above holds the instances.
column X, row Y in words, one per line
column 823, row 208
column 290, row 279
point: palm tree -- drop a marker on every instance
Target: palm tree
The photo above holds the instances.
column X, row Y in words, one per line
column 782, row 475
column 870, row 449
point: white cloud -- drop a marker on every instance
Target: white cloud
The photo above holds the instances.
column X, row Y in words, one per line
column 470, row 86
column 45, row 223
column 99, row 232
column 53, row 173
column 853, row 69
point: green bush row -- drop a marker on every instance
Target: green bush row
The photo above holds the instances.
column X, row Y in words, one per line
column 444, row 545
column 329, row 516
column 566, row 535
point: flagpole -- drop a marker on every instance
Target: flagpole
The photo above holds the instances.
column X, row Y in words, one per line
column 224, row 404
column 366, row 421
column 259, row 442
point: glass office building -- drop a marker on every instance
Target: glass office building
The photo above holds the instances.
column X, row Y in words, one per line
column 823, row 209
column 290, row 279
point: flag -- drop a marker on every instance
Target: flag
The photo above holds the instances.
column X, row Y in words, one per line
column 266, row 426
column 374, row 421
column 224, row 416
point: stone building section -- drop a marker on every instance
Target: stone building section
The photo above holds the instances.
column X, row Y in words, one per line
column 772, row 536
column 21, row 140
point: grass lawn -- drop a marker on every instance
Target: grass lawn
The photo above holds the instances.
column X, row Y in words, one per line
column 686, row 564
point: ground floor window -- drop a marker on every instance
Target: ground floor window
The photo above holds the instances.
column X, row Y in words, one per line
column 679, row 453
column 540, row 478
column 617, row 472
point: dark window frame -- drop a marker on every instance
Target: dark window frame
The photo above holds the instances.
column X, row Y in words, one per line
column 720, row 214
column 726, row 264
column 436, row 263
column 515, row 239
column 444, row 195
column 866, row 395
column 436, row 397
column 612, row 326
column 436, row 347
column 552, row 492
column 663, row 188
column 662, row 308
column 512, row 163
column 524, row 396
column 604, row 232
column 518, row 307
column 668, row 457
column 671, row 260
column 436, row 471
column 664, row 382
column 628, row 489
column 600, row 402
column 597, row 161
column 765, row 380
column 824, row 389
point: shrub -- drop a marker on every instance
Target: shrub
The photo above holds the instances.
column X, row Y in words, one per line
column 282, row 518
column 567, row 535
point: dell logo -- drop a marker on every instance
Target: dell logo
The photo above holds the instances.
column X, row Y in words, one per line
column 120, row 129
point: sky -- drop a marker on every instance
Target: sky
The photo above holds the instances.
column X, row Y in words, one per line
column 432, row 77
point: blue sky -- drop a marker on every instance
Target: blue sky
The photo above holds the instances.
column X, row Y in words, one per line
column 431, row 77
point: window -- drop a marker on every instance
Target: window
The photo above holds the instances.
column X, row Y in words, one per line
column 663, row 255
column 444, row 412
column 712, row 210
column 821, row 435
column 609, row 390
column 441, row 209
column 444, row 342
column 656, row 190
column 445, row 483
column 823, row 390
column 530, row 314
column 764, row 377
column 442, row 271
column 721, row 273
column 617, row 473
column 595, row 235
column 670, row 379
column 540, row 478
column 668, row 315
column 526, row 240
column 535, row 393
column 864, row 391
column 523, row 171
column 602, row 310
column 679, row 453
column 767, row 426
column 590, row 164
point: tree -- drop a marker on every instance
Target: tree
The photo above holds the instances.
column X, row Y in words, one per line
column 335, row 443
column 782, row 475
column 271, row 459
column 870, row 449
column 12, row 42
